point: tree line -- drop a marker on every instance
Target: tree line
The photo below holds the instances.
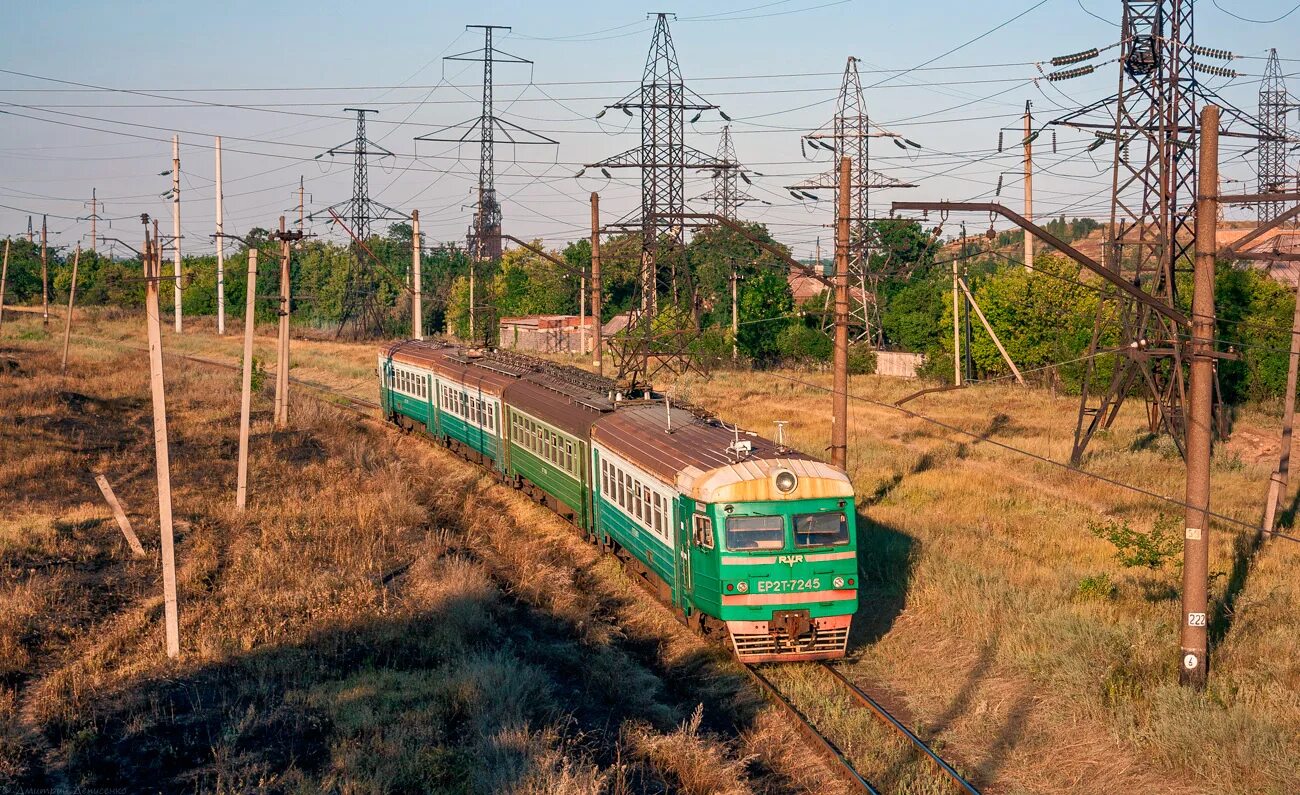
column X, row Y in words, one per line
column 1045, row 318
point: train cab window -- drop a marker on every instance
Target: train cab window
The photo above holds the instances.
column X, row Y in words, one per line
column 746, row 533
column 820, row 529
column 703, row 532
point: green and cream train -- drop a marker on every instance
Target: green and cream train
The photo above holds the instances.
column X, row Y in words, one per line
column 737, row 533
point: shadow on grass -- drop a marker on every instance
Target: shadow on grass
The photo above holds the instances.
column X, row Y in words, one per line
column 886, row 556
column 450, row 700
column 1246, row 546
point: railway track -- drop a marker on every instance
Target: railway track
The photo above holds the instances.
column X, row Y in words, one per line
column 831, row 753
column 823, row 745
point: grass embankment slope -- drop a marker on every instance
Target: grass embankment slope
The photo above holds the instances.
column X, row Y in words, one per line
column 382, row 618
column 991, row 613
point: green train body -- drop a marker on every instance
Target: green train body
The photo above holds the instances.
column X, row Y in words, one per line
column 734, row 531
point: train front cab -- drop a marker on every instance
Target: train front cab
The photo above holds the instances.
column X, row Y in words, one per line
column 774, row 556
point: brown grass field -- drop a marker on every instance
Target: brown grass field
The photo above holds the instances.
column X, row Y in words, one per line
column 386, row 618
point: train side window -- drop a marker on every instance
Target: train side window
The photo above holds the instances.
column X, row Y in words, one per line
column 703, row 532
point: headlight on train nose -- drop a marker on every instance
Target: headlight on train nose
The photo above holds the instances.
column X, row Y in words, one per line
column 742, row 586
column 839, row 582
column 786, row 481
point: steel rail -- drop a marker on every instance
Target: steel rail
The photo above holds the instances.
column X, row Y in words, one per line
column 825, row 747
column 870, row 703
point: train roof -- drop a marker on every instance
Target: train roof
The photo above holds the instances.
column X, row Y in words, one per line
column 536, row 384
column 698, row 455
column 559, row 402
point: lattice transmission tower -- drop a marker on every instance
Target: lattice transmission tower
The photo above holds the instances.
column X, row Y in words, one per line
column 662, row 158
column 849, row 134
column 727, row 195
column 483, row 239
column 360, row 304
column 1274, row 103
column 1151, row 123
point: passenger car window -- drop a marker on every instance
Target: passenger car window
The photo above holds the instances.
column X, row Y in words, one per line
column 755, row 532
column 703, row 532
column 820, row 530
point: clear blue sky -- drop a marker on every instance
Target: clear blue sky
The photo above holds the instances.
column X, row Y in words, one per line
column 388, row 56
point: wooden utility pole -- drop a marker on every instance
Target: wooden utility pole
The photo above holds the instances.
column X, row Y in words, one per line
column 176, row 226
column 4, row 279
column 45, row 275
column 282, row 339
column 123, row 523
column 1194, row 640
column 1278, row 482
column 246, row 381
column 1006, row 357
column 840, row 395
column 153, row 254
column 1029, row 185
column 67, row 321
column 221, row 247
column 417, row 282
column 597, row 350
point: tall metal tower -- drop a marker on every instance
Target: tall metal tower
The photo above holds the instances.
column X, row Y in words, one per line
column 1273, row 107
column 727, row 195
column 484, row 237
column 662, row 157
column 361, row 208
column 1151, row 123
column 848, row 135
column 362, row 284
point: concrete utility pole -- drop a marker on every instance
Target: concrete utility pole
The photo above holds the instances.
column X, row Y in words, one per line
column 417, row 292
column 582, row 315
column 67, row 321
column 840, row 396
column 472, row 308
column 94, row 219
column 153, row 260
column 1194, row 640
column 246, row 381
column 735, row 313
column 221, row 248
column 1278, row 482
column 176, row 226
column 45, row 275
column 956, row 322
column 302, row 212
column 1029, row 184
column 282, row 340
column 597, row 350
column 4, row 279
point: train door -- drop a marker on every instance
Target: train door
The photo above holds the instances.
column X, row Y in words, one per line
column 431, row 422
column 386, row 387
column 680, row 521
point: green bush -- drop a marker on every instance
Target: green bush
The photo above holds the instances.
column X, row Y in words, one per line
column 799, row 342
column 1095, row 586
column 1135, row 549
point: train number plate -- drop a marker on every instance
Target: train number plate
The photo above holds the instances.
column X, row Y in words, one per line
column 788, row 586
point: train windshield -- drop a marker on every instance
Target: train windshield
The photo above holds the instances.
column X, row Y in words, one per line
column 820, row 530
column 745, row 533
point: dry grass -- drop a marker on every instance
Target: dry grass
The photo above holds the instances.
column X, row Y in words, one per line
column 973, row 618
column 383, row 618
